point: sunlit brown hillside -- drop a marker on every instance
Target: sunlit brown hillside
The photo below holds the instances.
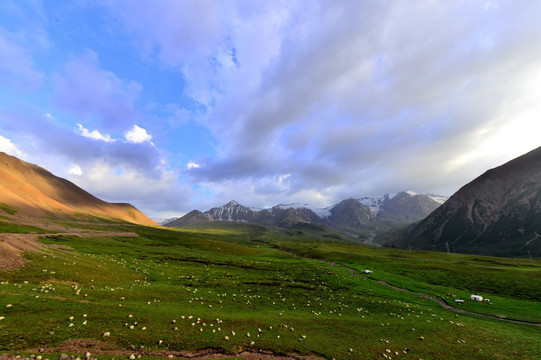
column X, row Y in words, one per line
column 34, row 192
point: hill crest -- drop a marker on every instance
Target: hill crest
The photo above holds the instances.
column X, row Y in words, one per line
column 497, row 213
column 34, row 192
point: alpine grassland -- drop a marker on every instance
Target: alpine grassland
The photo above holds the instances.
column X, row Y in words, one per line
column 231, row 290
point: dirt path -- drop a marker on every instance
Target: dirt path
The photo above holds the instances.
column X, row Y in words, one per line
column 96, row 347
column 452, row 308
column 13, row 245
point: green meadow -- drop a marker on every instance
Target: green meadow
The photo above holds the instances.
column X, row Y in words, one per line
column 227, row 288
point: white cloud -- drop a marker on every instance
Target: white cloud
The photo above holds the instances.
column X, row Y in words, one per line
column 151, row 195
column 137, row 135
column 348, row 98
column 75, row 170
column 263, row 192
column 94, row 134
column 9, row 147
column 48, row 115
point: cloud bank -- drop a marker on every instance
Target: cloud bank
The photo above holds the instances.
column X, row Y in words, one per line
column 310, row 102
column 355, row 98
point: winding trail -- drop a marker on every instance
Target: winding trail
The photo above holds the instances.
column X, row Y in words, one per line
column 531, row 240
column 440, row 301
column 445, row 305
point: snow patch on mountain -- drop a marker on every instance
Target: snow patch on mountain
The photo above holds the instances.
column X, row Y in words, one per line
column 233, row 211
column 321, row 212
column 162, row 221
column 373, row 203
column 229, row 212
column 438, row 199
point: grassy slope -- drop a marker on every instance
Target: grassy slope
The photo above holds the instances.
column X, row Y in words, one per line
column 9, row 227
column 245, row 278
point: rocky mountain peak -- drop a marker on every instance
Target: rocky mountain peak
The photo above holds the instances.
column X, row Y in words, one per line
column 498, row 213
column 192, row 218
column 351, row 215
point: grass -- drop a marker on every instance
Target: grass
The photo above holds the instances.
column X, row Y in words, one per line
column 8, row 209
column 514, row 285
column 8, row 227
column 193, row 287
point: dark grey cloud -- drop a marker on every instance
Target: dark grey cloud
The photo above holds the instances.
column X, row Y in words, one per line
column 407, row 90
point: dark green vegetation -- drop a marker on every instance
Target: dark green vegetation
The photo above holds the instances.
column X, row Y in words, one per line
column 231, row 287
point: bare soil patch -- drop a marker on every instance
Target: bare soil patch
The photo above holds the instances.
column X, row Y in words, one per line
column 102, row 348
column 13, row 245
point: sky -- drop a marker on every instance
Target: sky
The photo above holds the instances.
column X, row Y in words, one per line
column 181, row 105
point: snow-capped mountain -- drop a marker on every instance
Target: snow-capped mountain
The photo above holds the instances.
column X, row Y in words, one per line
column 232, row 211
column 373, row 203
column 321, row 212
column 365, row 214
column 437, row 198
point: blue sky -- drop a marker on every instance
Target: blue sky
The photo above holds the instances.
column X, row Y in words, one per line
column 176, row 105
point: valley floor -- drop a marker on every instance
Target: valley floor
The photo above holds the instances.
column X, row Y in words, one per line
column 242, row 291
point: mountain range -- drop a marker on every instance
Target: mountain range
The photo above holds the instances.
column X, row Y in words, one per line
column 360, row 216
column 30, row 191
column 498, row 213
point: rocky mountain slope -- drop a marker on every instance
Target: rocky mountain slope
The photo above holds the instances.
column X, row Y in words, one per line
column 194, row 217
column 499, row 213
column 232, row 211
column 27, row 190
column 360, row 216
